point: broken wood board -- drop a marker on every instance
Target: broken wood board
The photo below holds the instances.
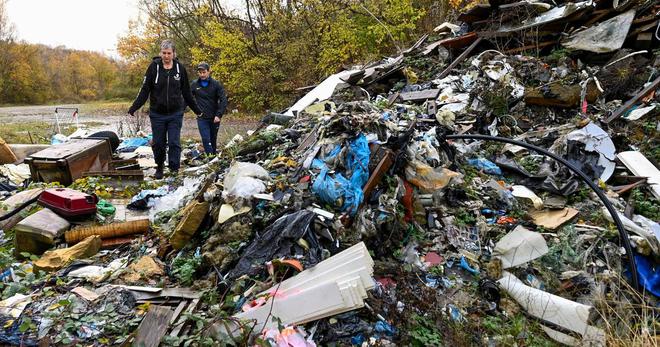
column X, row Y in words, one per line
column 553, row 219
column 383, row 166
column 181, row 322
column 421, row 95
column 459, row 59
column 634, row 100
column 153, row 327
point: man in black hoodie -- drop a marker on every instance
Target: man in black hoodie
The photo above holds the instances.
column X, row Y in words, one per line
column 212, row 100
column 168, row 89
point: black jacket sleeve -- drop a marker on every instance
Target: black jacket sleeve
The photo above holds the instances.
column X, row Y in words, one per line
column 187, row 94
column 222, row 99
column 143, row 94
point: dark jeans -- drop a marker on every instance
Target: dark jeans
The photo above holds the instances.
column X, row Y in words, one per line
column 166, row 130
column 209, row 133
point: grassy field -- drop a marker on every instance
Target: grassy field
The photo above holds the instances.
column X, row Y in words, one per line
column 34, row 124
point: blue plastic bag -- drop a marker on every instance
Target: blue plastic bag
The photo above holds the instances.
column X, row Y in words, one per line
column 131, row 144
column 486, row 166
column 648, row 273
column 331, row 189
column 357, row 161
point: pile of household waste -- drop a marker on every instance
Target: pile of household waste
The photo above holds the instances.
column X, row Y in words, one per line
column 495, row 184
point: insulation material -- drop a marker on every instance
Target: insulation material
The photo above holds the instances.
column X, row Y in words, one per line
column 554, row 309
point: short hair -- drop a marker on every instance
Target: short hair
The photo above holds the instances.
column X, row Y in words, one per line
column 167, row 44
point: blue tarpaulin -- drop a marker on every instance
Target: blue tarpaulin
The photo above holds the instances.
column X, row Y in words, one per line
column 131, row 144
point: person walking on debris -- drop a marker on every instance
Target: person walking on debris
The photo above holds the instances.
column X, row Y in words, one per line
column 167, row 86
column 212, row 99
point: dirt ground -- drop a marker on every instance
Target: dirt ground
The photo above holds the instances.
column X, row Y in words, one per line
column 21, row 120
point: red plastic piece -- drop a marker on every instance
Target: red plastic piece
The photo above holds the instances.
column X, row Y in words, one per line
column 68, row 202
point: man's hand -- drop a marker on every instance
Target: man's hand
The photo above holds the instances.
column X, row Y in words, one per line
column 216, row 120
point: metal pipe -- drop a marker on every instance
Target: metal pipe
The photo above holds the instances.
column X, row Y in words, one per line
column 623, row 234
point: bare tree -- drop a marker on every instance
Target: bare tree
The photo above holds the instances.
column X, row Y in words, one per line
column 6, row 28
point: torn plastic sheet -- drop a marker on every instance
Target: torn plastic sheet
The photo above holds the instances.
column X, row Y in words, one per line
column 95, row 273
column 485, row 165
column 177, row 198
column 554, row 309
column 519, row 247
column 425, row 148
column 244, row 180
column 321, row 92
column 280, row 239
column 427, row 178
column 604, row 37
column 287, row 337
column 597, row 140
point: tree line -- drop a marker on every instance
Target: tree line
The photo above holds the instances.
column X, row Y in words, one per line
column 37, row 74
column 264, row 54
column 271, row 49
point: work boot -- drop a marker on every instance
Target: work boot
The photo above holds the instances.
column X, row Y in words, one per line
column 159, row 172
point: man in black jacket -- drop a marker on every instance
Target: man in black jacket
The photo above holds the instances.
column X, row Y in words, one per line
column 167, row 87
column 212, row 100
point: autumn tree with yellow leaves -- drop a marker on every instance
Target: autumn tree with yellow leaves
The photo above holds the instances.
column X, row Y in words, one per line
column 265, row 52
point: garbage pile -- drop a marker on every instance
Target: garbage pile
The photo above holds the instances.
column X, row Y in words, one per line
column 460, row 193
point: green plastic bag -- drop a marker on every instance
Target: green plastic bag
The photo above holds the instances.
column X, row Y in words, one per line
column 105, row 208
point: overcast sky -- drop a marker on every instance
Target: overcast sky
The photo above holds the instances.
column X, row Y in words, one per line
column 92, row 25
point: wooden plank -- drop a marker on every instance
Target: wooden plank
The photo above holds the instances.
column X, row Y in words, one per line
column 625, row 107
column 181, row 322
column 153, row 327
column 460, row 58
column 421, row 95
column 66, row 149
column 178, row 311
column 375, row 178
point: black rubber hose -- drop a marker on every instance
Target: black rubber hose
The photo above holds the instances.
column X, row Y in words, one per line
column 19, row 208
column 623, row 234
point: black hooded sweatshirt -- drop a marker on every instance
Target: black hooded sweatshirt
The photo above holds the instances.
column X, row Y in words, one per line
column 168, row 90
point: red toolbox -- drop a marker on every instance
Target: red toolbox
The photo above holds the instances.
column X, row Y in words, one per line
column 68, row 202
